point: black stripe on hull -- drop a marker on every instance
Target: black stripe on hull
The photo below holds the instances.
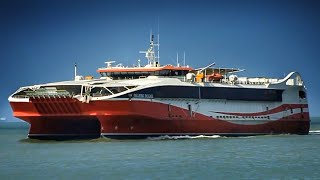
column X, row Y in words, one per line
column 191, row 92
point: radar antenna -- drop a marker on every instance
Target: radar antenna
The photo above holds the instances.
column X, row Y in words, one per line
column 109, row 63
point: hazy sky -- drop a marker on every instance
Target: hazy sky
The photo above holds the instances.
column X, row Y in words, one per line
column 41, row 40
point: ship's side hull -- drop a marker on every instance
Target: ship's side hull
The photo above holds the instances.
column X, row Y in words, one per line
column 64, row 127
column 178, row 121
column 58, row 119
column 123, row 128
column 68, row 118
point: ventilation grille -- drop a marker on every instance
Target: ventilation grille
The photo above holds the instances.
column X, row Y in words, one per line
column 57, row 105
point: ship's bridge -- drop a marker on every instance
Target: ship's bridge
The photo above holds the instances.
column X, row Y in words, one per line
column 141, row 72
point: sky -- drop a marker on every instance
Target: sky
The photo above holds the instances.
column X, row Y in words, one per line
column 41, row 40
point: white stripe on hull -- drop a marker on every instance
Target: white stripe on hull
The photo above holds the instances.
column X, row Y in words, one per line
column 212, row 108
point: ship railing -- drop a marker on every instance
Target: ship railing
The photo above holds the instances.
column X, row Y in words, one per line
column 256, row 81
column 43, row 96
column 241, row 80
column 42, row 93
column 48, row 94
column 20, row 96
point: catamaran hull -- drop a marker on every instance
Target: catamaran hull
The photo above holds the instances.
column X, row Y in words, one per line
column 123, row 127
column 72, row 127
column 121, row 119
column 58, row 118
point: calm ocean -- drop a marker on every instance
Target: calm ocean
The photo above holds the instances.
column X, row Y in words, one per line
column 259, row 157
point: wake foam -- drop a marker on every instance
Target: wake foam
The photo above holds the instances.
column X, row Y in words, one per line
column 314, row 132
column 166, row 137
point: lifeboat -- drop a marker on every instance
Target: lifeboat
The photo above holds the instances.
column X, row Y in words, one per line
column 214, row 77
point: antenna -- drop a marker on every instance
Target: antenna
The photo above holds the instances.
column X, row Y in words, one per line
column 158, row 25
column 75, row 71
column 150, row 35
column 158, row 43
column 177, row 59
column 184, row 58
column 158, row 46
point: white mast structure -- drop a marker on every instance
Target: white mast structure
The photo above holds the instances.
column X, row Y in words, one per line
column 158, row 46
column 75, row 71
column 177, row 59
column 153, row 58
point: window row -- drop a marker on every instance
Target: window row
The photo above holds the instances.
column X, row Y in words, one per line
column 243, row 117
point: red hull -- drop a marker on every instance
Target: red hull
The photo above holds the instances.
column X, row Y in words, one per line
column 57, row 119
column 130, row 126
column 66, row 117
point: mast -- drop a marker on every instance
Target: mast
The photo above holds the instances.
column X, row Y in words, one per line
column 158, row 43
column 75, row 71
column 184, row 58
column 158, row 46
column 177, row 59
column 150, row 54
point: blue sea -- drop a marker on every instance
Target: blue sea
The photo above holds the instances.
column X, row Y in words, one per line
column 203, row 157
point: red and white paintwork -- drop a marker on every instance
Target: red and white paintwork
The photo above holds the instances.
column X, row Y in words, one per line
column 81, row 115
column 125, row 118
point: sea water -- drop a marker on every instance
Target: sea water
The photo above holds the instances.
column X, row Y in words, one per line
column 184, row 157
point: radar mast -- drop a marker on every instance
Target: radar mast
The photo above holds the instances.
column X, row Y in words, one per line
column 152, row 56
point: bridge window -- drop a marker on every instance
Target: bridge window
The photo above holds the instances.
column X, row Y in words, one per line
column 99, row 91
column 116, row 90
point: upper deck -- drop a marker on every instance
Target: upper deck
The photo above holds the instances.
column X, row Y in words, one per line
column 119, row 79
column 117, row 73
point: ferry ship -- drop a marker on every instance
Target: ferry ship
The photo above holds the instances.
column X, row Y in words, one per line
column 155, row 100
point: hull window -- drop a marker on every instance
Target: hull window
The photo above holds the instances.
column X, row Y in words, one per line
column 302, row 94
